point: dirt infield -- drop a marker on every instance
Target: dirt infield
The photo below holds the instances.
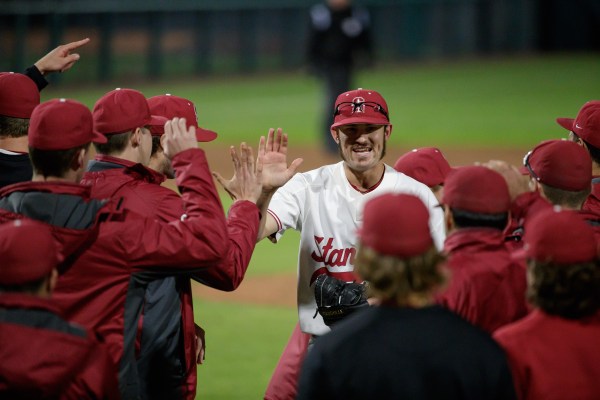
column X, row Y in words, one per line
column 280, row 289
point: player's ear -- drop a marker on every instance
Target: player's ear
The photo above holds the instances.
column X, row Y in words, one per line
column 388, row 131
column 136, row 137
column 335, row 134
column 79, row 159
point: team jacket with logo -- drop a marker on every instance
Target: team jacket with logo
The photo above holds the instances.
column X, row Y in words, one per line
column 486, row 286
column 553, row 358
column 42, row 356
column 592, row 203
column 327, row 210
column 104, row 289
column 168, row 309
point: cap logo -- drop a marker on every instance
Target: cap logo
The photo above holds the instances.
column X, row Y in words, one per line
column 578, row 127
column 359, row 106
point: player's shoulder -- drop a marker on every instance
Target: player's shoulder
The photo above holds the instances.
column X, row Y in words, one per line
column 404, row 183
column 318, row 176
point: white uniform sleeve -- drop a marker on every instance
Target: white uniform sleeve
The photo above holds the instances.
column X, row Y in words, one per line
column 287, row 205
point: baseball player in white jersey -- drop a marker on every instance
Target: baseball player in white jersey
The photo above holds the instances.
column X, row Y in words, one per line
column 325, row 205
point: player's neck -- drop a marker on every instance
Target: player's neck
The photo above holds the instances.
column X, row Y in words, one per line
column 365, row 180
column 17, row 145
column 595, row 169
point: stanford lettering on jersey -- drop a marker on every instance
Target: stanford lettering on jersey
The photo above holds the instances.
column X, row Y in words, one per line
column 333, row 257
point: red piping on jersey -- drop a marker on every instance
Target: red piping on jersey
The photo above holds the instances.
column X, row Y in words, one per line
column 369, row 189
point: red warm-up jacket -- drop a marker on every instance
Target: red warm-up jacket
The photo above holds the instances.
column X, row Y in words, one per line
column 42, row 356
column 486, row 286
column 140, row 189
column 104, row 289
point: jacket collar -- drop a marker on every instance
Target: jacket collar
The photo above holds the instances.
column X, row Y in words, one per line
column 22, row 300
column 59, row 187
column 464, row 238
column 103, row 162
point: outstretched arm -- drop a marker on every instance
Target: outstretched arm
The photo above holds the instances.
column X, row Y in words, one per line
column 276, row 173
column 60, row 59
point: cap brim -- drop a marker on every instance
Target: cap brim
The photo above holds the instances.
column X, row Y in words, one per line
column 566, row 123
column 523, row 170
column 361, row 120
column 99, row 138
column 205, row 135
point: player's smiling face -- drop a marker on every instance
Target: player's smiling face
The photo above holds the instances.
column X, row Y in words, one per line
column 362, row 146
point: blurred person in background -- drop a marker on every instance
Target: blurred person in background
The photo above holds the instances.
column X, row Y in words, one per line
column 407, row 347
column 554, row 351
column 339, row 40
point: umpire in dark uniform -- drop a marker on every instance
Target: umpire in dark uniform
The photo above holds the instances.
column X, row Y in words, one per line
column 339, row 33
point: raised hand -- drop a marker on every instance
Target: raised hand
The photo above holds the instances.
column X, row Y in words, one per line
column 246, row 183
column 178, row 137
column 60, row 59
column 273, row 151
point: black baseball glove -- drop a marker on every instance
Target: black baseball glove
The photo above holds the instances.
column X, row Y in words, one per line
column 336, row 299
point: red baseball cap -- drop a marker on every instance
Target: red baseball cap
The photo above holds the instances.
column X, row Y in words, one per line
column 122, row 110
column 18, row 95
column 476, row 189
column 561, row 164
column 587, row 123
column 28, row 252
column 170, row 106
column 396, row 225
column 560, row 236
column 360, row 106
column 62, row 124
column 426, row 164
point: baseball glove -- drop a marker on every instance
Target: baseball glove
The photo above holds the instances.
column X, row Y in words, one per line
column 336, row 299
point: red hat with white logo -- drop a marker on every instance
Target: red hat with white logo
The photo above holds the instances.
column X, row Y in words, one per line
column 587, row 123
column 170, row 106
column 396, row 225
column 360, row 106
column 122, row 110
column 18, row 95
column 28, row 252
column 476, row 189
column 559, row 236
column 426, row 165
column 62, row 124
column 561, row 164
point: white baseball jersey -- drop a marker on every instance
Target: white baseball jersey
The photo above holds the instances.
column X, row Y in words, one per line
column 327, row 210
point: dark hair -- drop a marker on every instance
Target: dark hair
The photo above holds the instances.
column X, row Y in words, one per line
column 593, row 150
column 29, row 287
column 116, row 143
column 570, row 291
column 566, row 198
column 13, row 127
column 53, row 162
column 155, row 144
column 393, row 278
column 467, row 219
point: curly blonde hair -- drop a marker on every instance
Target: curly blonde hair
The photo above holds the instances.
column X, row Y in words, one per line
column 395, row 279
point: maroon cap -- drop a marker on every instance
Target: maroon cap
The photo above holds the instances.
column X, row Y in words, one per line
column 427, row 165
column 28, row 252
column 157, row 126
column 587, row 123
column 18, row 95
column 62, row 124
column 170, row 106
column 360, row 106
column 560, row 236
column 122, row 110
column 476, row 189
column 561, row 164
column 396, row 225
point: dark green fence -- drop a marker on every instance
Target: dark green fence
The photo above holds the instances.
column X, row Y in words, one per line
column 154, row 38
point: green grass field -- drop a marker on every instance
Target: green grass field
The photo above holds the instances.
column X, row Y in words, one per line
column 469, row 104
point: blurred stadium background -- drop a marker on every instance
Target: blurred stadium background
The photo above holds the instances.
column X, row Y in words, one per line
column 474, row 77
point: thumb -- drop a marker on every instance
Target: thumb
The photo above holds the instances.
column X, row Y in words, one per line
column 294, row 165
column 219, row 178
